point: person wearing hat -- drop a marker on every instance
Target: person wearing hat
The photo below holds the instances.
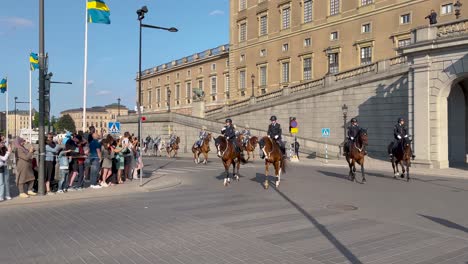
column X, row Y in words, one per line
column 172, row 138
column 246, row 133
column 201, row 136
column 229, row 133
column 399, row 133
column 353, row 131
column 275, row 132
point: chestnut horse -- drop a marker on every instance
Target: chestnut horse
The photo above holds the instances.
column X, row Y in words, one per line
column 251, row 146
column 227, row 152
column 356, row 154
column 203, row 149
column 173, row 147
column 402, row 155
column 271, row 152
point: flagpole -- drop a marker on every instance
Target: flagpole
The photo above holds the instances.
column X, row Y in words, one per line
column 6, row 133
column 85, row 66
column 30, row 106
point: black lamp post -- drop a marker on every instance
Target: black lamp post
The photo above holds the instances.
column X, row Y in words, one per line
column 118, row 106
column 141, row 15
column 457, row 6
column 16, row 102
column 344, row 108
column 253, row 81
column 169, row 100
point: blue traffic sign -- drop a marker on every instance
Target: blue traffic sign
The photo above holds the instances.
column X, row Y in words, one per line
column 325, row 132
column 114, row 127
column 293, row 123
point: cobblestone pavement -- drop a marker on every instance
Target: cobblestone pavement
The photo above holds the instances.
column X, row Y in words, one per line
column 316, row 216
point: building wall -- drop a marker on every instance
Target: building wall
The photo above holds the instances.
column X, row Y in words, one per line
column 98, row 119
column 22, row 121
column 2, row 123
column 383, row 16
column 183, row 73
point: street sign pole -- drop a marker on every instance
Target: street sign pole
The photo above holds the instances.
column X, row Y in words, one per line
column 326, row 150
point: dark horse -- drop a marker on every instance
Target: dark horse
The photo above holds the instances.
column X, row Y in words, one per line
column 271, row 152
column 402, row 155
column 173, row 147
column 227, row 152
column 356, row 154
column 203, row 149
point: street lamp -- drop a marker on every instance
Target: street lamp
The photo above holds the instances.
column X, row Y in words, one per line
column 344, row 109
column 141, row 15
column 457, row 6
column 253, row 81
column 118, row 106
column 16, row 102
column 169, row 100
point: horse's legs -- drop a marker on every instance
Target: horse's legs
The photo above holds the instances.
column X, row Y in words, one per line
column 350, row 174
column 205, row 155
column 363, row 172
column 278, row 172
column 407, row 171
column 393, row 166
column 227, row 180
column 353, row 168
column 236, row 175
column 402, row 169
column 266, row 184
column 397, row 173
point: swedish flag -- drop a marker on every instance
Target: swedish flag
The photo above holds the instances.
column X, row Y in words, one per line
column 98, row 12
column 3, row 85
column 34, row 61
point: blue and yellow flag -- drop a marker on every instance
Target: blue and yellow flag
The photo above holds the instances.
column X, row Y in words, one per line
column 3, row 85
column 98, row 12
column 34, row 61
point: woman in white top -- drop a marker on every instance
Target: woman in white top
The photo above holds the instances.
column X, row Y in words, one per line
column 4, row 175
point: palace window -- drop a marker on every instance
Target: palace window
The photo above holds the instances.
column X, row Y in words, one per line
column 150, row 98
column 334, row 35
column 242, row 4
column 226, row 85
column 263, row 25
column 243, row 31
column 200, row 84
column 242, row 80
column 404, row 42
column 307, row 68
column 188, row 91
column 366, row 28
column 285, row 72
column 214, row 89
column 177, row 91
column 366, row 55
column 333, row 63
column 307, row 11
column 446, row 9
column 263, row 52
column 366, row 2
column 286, row 17
column 405, row 18
column 285, row 47
column 213, row 67
column 263, row 75
column 307, row 42
column 158, row 95
column 334, row 7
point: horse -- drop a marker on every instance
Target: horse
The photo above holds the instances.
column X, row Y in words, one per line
column 157, row 146
column 203, row 149
column 173, row 147
column 402, row 155
column 271, row 152
column 251, row 146
column 226, row 150
column 356, row 154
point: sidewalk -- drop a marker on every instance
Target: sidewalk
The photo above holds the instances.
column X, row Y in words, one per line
column 152, row 183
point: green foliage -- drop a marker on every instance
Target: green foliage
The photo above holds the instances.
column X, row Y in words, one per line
column 65, row 123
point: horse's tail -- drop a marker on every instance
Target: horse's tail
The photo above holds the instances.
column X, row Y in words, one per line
column 283, row 164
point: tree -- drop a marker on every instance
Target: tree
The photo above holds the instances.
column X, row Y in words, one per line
column 36, row 120
column 65, row 123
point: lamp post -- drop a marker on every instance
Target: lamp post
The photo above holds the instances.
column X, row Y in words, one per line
column 169, row 100
column 141, row 15
column 253, row 81
column 344, row 109
column 118, row 106
column 457, row 6
column 17, row 102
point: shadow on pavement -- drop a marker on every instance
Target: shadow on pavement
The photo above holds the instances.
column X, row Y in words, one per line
column 327, row 234
column 446, row 223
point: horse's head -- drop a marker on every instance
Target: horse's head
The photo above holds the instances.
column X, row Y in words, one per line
column 221, row 145
column 253, row 140
column 407, row 142
column 363, row 136
column 208, row 137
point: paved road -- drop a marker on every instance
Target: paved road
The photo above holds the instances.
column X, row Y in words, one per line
column 316, row 216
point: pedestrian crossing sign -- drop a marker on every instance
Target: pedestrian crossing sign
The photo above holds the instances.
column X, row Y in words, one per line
column 114, row 127
column 325, row 132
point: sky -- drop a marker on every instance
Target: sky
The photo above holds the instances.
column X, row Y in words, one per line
column 112, row 49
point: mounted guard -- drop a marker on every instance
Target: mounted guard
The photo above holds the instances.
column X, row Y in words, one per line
column 275, row 133
column 229, row 132
column 246, row 134
column 400, row 134
column 353, row 132
column 201, row 136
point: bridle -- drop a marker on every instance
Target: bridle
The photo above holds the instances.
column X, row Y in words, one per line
column 269, row 153
column 219, row 150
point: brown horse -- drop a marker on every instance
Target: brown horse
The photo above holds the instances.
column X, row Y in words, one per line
column 203, row 149
column 271, row 152
column 251, row 146
column 356, row 154
column 402, row 156
column 173, row 147
column 226, row 150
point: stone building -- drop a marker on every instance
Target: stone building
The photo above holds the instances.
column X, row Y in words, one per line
column 171, row 86
column 97, row 116
column 2, row 123
column 22, row 121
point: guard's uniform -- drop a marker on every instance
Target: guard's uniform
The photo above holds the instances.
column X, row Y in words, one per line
column 201, row 137
column 399, row 133
column 275, row 132
column 172, row 139
column 353, row 132
column 247, row 135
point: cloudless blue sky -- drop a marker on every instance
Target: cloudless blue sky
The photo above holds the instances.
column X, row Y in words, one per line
column 112, row 49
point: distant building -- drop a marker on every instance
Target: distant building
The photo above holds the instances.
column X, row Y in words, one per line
column 97, row 116
column 2, row 123
column 22, row 121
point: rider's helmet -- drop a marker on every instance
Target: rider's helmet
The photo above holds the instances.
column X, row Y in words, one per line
column 353, row 120
column 273, row 118
column 229, row 120
column 401, row 119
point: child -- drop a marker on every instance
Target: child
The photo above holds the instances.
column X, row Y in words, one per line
column 64, row 163
column 107, row 155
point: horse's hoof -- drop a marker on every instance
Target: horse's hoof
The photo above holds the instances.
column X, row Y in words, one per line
column 396, row 174
column 277, row 184
column 237, row 177
column 266, row 186
column 402, row 175
column 364, row 180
